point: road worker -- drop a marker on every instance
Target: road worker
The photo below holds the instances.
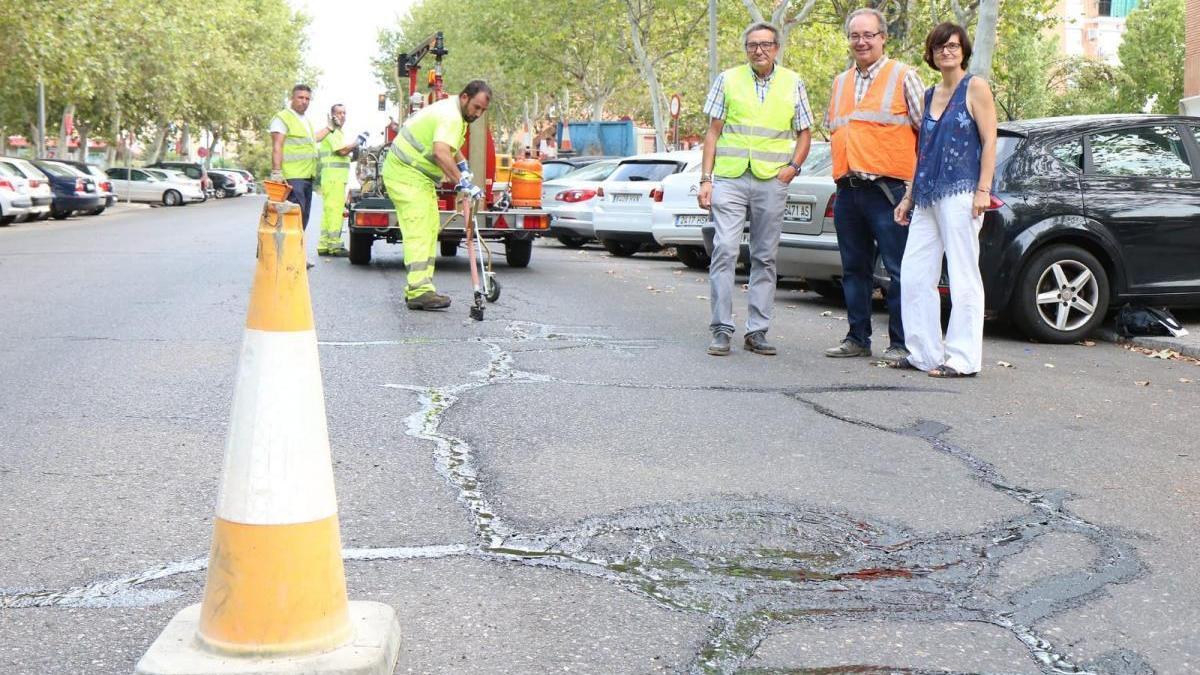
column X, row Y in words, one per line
column 333, row 165
column 294, row 149
column 424, row 154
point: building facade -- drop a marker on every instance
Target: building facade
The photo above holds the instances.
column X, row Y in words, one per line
column 1093, row 28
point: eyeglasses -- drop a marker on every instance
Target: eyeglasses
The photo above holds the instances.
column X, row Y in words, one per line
column 760, row 46
column 949, row 48
column 855, row 37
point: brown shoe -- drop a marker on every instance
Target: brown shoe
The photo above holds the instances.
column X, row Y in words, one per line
column 757, row 342
column 428, row 300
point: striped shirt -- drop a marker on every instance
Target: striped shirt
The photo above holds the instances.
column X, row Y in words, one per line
column 914, row 93
column 714, row 104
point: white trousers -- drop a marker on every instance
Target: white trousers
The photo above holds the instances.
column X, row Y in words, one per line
column 945, row 227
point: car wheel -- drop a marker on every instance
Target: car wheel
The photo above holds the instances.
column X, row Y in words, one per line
column 449, row 248
column 621, row 249
column 60, row 215
column 517, row 252
column 1061, row 295
column 7, row 220
column 96, row 212
column 171, row 198
column 220, row 194
column 571, row 240
column 360, row 248
column 692, row 256
column 826, row 288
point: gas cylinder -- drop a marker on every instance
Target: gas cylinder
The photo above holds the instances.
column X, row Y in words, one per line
column 525, row 182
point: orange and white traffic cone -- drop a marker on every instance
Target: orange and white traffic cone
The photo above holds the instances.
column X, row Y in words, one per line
column 275, row 600
column 565, row 146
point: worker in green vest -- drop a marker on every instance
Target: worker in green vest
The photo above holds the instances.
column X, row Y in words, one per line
column 333, row 166
column 294, row 149
column 758, row 137
column 425, row 153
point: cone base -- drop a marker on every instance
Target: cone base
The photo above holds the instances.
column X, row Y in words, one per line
column 373, row 651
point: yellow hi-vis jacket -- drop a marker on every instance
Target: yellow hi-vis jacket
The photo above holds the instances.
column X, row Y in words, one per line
column 334, row 168
column 299, row 146
column 757, row 135
column 441, row 122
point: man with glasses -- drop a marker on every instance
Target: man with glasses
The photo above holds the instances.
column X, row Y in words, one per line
column 758, row 136
column 874, row 115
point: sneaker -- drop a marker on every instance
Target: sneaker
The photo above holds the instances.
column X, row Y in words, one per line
column 428, row 300
column 757, row 342
column 847, row 349
column 894, row 354
column 720, row 344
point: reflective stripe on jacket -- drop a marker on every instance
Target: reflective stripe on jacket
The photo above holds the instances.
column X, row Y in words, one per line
column 756, row 135
column 875, row 135
column 414, row 144
column 299, row 146
column 333, row 167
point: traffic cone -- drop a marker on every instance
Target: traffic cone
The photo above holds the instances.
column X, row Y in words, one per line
column 275, row 600
column 565, row 146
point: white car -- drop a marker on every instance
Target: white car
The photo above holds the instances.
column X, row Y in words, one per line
column 40, row 193
column 140, row 185
column 175, row 176
column 624, row 200
column 570, row 198
column 14, row 195
column 236, row 181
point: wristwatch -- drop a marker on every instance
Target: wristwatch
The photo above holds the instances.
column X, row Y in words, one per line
column 706, row 178
column 794, row 166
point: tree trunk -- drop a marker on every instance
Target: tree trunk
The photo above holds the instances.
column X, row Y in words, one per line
column 83, row 141
column 186, row 144
column 597, row 101
column 639, row 50
column 712, row 41
column 61, row 152
column 38, row 150
column 160, row 138
column 214, row 137
column 114, row 137
column 985, row 38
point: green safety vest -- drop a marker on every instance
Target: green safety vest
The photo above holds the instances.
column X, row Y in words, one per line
column 299, row 147
column 333, row 167
column 757, row 135
column 413, row 145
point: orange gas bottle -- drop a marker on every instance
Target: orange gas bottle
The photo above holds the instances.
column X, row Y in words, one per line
column 525, row 183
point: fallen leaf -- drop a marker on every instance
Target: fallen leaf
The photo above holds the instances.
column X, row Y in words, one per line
column 1087, row 343
column 1142, row 383
column 1048, row 365
column 679, row 272
column 1004, row 364
column 827, row 313
column 1162, row 354
column 701, row 297
column 1185, row 380
column 649, row 288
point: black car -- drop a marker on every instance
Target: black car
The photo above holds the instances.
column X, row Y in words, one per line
column 222, row 185
column 1088, row 213
column 73, row 189
column 553, row 168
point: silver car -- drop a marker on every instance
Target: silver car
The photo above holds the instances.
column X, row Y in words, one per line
column 570, row 198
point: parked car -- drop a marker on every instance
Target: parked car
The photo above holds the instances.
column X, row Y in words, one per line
column 228, row 183
column 15, row 201
column 40, row 193
column 194, row 170
column 73, row 189
column 177, row 177
column 623, row 207
column 251, row 184
column 104, row 186
column 140, row 186
column 677, row 219
column 569, row 200
column 552, row 169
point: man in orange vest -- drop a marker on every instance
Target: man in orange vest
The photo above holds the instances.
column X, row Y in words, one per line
column 874, row 115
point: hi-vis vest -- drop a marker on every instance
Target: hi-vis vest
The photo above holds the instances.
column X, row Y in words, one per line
column 333, row 167
column 758, row 135
column 875, row 135
column 299, row 147
column 414, row 144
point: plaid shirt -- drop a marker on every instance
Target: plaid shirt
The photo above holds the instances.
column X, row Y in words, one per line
column 914, row 96
column 714, row 104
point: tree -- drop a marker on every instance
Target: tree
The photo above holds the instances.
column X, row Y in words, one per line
column 1152, row 56
column 658, row 31
column 1084, row 86
column 787, row 15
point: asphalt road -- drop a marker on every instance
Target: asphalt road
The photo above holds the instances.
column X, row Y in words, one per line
column 572, row 485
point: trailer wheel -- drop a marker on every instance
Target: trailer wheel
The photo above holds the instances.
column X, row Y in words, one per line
column 449, row 248
column 360, row 247
column 517, row 252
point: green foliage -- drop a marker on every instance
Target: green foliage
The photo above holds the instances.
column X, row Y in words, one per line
column 1085, row 86
column 1152, row 56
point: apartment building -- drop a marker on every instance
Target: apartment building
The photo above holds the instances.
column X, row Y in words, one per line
column 1093, row 28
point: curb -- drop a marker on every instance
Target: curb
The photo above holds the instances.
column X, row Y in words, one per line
column 1185, row 346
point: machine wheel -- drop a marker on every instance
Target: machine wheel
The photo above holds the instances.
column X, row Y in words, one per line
column 172, row 198
column 449, row 248
column 360, row 247
column 826, row 288
column 493, row 293
column 517, row 252
column 1061, row 295
column 621, row 249
column 571, row 240
column 692, row 256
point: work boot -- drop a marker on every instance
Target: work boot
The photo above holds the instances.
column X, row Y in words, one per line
column 847, row 349
column 757, row 342
column 428, row 300
column 720, row 344
column 894, row 355
column 333, row 252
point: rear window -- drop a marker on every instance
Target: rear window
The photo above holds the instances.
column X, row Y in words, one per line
column 644, row 171
column 597, row 171
column 819, row 161
column 59, row 170
column 555, row 169
column 7, row 170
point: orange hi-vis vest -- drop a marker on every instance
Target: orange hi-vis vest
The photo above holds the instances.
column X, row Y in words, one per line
column 874, row 135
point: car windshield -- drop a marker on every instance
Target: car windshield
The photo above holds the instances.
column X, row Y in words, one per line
column 644, row 170
column 596, row 171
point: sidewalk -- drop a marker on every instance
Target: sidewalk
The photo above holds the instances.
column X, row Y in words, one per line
column 1188, row 345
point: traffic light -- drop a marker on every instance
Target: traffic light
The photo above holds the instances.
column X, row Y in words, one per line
column 382, row 102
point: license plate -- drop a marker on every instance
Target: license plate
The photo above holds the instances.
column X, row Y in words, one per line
column 798, row 211
column 691, row 220
column 626, row 197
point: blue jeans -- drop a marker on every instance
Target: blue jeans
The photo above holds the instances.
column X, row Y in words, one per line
column 863, row 217
column 301, row 194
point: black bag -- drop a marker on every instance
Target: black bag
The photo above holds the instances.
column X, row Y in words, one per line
column 1138, row 321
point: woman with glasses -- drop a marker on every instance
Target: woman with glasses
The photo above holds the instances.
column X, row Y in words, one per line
column 956, row 157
